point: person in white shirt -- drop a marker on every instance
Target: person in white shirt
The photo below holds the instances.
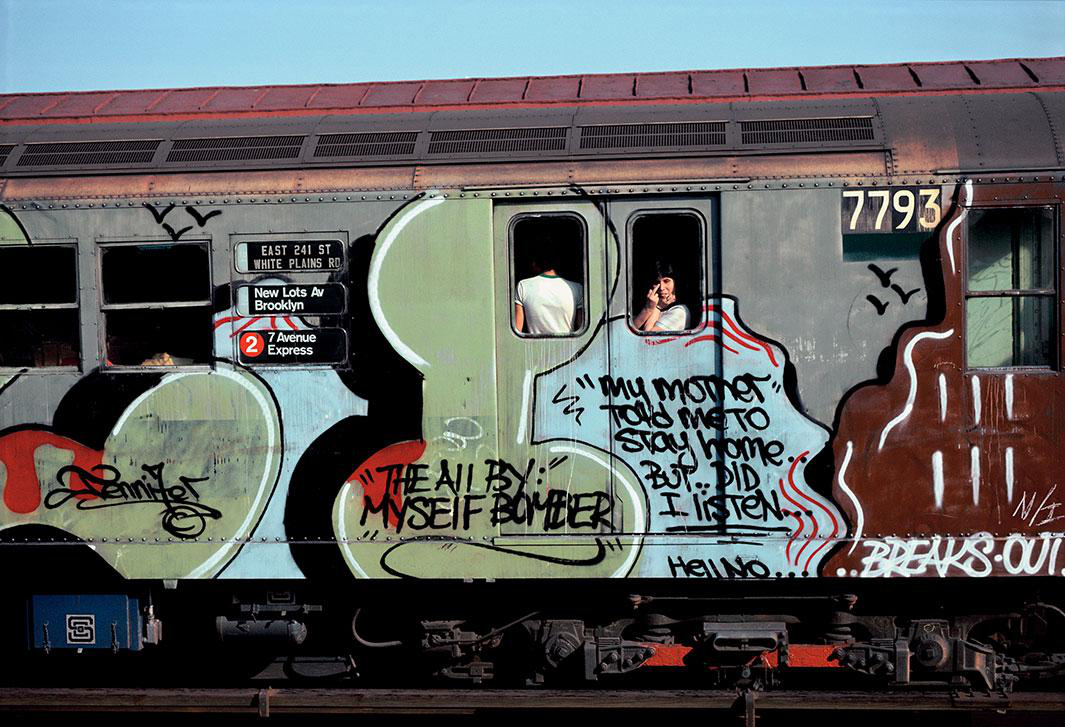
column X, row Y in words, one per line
column 661, row 311
column 548, row 304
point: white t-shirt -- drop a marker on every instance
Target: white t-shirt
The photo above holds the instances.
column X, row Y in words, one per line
column 551, row 304
column 673, row 318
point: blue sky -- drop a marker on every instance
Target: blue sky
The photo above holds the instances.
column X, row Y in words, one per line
column 71, row 45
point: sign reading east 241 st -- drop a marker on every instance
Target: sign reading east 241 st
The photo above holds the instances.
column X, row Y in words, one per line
column 300, row 256
column 290, row 299
column 311, row 346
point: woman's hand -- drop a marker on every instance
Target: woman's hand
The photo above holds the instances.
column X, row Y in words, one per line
column 646, row 319
column 653, row 296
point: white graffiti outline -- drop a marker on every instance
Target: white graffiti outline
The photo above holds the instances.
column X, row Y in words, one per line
column 974, row 472
column 849, row 493
column 957, row 221
column 942, row 397
column 639, row 525
column 1009, row 474
column 374, row 277
column 907, row 359
column 1009, row 396
column 937, row 478
column 342, row 531
column 526, row 391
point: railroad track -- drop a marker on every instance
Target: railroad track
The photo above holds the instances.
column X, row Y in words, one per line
column 317, row 701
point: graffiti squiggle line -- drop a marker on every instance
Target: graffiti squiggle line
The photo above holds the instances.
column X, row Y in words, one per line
column 711, row 337
column 956, row 222
column 813, row 520
column 739, row 331
column 237, row 331
column 907, row 360
column 849, row 493
column 794, row 514
column 222, row 321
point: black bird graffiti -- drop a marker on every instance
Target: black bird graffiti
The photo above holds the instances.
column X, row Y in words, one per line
column 880, row 306
column 159, row 216
column 175, row 236
column 883, row 277
column 904, row 296
column 201, row 220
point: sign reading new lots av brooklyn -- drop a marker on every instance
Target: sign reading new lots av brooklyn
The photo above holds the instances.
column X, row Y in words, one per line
column 291, row 299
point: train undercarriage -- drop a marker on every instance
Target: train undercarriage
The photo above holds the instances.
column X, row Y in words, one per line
column 748, row 635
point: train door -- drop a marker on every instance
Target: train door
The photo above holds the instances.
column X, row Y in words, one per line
column 552, row 282
column 664, row 366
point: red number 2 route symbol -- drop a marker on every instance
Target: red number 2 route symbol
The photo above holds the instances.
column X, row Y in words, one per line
column 251, row 344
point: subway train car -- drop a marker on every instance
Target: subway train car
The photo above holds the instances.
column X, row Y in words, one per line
column 720, row 375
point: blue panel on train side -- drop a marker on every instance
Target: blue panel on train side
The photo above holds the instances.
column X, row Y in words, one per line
column 85, row 622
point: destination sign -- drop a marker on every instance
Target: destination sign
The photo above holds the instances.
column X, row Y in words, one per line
column 290, row 299
column 294, row 256
column 312, row 346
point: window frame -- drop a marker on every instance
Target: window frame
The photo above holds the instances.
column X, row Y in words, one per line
column 512, row 278
column 76, row 306
column 1052, row 293
column 101, row 247
column 699, row 318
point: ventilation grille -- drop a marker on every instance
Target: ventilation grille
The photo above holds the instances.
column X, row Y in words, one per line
column 366, row 144
column 650, row 136
column 235, row 148
column 77, row 153
column 5, row 150
column 797, row 131
column 480, row 141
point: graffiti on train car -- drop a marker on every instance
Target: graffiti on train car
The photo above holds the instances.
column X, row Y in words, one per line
column 411, row 500
column 975, row 556
column 608, row 454
column 719, row 445
column 951, row 470
column 183, row 515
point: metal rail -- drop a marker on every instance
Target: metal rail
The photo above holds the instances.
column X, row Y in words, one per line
column 309, row 701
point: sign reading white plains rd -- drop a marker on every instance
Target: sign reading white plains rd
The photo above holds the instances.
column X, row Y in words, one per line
column 292, row 256
column 291, row 299
column 309, row 346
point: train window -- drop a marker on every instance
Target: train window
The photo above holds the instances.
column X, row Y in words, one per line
column 1010, row 293
column 39, row 306
column 549, row 276
column 156, row 304
column 666, row 267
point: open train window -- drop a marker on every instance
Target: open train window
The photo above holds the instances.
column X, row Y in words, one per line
column 666, row 268
column 549, row 279
column 1010, row 291
column 39, row 306
column 156, row 302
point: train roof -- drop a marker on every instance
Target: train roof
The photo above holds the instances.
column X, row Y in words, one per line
column 535, row 91
column 920, row 117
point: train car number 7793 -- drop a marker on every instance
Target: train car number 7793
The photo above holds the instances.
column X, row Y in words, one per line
column 899, row 209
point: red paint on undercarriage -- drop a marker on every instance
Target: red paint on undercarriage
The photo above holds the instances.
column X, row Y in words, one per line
column 805, row 656
column 667, row 655
column 22, row 489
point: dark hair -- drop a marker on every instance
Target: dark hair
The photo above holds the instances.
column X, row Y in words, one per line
column 546, row 254
column 662, row 269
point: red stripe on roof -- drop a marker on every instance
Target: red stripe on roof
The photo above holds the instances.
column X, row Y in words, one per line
column 525, row 92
